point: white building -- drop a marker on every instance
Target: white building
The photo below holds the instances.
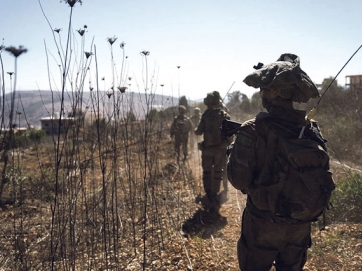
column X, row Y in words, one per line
column 54, row 125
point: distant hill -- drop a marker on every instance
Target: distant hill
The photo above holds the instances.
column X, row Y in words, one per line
column 34, row 105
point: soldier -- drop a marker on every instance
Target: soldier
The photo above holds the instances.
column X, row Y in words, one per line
column 223, row 106
column 271, row 229
column 196, row 117
column 213, row 149
column 180, row 128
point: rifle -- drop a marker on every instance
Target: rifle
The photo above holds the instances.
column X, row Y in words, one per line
column 229, row 127
column 312, row 112
column 228, row 91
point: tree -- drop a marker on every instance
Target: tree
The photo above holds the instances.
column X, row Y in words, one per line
column 335, row 101
column 245, row 104
column 130, row 116
column 100, row 124
column 255, row 103
column 153, row 114
column 234, row 97
column 234, row 102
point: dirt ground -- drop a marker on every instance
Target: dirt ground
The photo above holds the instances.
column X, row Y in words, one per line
column 196, row 239
column 338, row 247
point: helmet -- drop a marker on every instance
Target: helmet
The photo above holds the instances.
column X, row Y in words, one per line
column 217, row 94
column 182, row 108
column 196, row 110
column 211, row 99
column 286, row 76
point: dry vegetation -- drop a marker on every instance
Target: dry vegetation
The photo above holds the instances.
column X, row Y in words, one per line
column 108, row 195
column 146, row 216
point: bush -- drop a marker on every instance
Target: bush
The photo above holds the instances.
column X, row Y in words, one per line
column 347, row 199
column 37, row 135
column 20, row 141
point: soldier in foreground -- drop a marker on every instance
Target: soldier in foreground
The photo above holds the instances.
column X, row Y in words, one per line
column 284, row 195
column 213, row 149
column 180, row 129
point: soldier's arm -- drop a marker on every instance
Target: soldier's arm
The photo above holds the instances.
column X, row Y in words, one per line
column 242, row 160
column 200, row 128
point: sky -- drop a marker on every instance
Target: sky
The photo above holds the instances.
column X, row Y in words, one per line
column 195, row 47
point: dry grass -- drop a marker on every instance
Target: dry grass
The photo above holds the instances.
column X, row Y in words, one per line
column 178, row 234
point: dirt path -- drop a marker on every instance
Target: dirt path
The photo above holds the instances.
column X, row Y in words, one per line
column 336, row 248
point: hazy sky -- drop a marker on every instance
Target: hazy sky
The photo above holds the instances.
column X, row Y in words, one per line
column 215, row 43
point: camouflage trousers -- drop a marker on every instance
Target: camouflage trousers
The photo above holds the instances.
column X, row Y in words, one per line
column 213, row 161
column 181, row 140
column 262, row 242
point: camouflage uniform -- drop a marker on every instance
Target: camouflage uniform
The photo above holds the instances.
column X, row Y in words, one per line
column 180, row 128
column 213, row 148
column 265, row 237
column 196, row 117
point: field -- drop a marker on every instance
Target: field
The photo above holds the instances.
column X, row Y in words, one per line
column 130, row 206
column 108, row 194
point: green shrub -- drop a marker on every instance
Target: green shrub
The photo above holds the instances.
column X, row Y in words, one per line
column 100, row 124
column 20, row 141
column 347, row 199
column 37, row 135
column 13, row 186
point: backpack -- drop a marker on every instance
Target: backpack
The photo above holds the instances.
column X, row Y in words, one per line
column 213, row 119
column 288, row 176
